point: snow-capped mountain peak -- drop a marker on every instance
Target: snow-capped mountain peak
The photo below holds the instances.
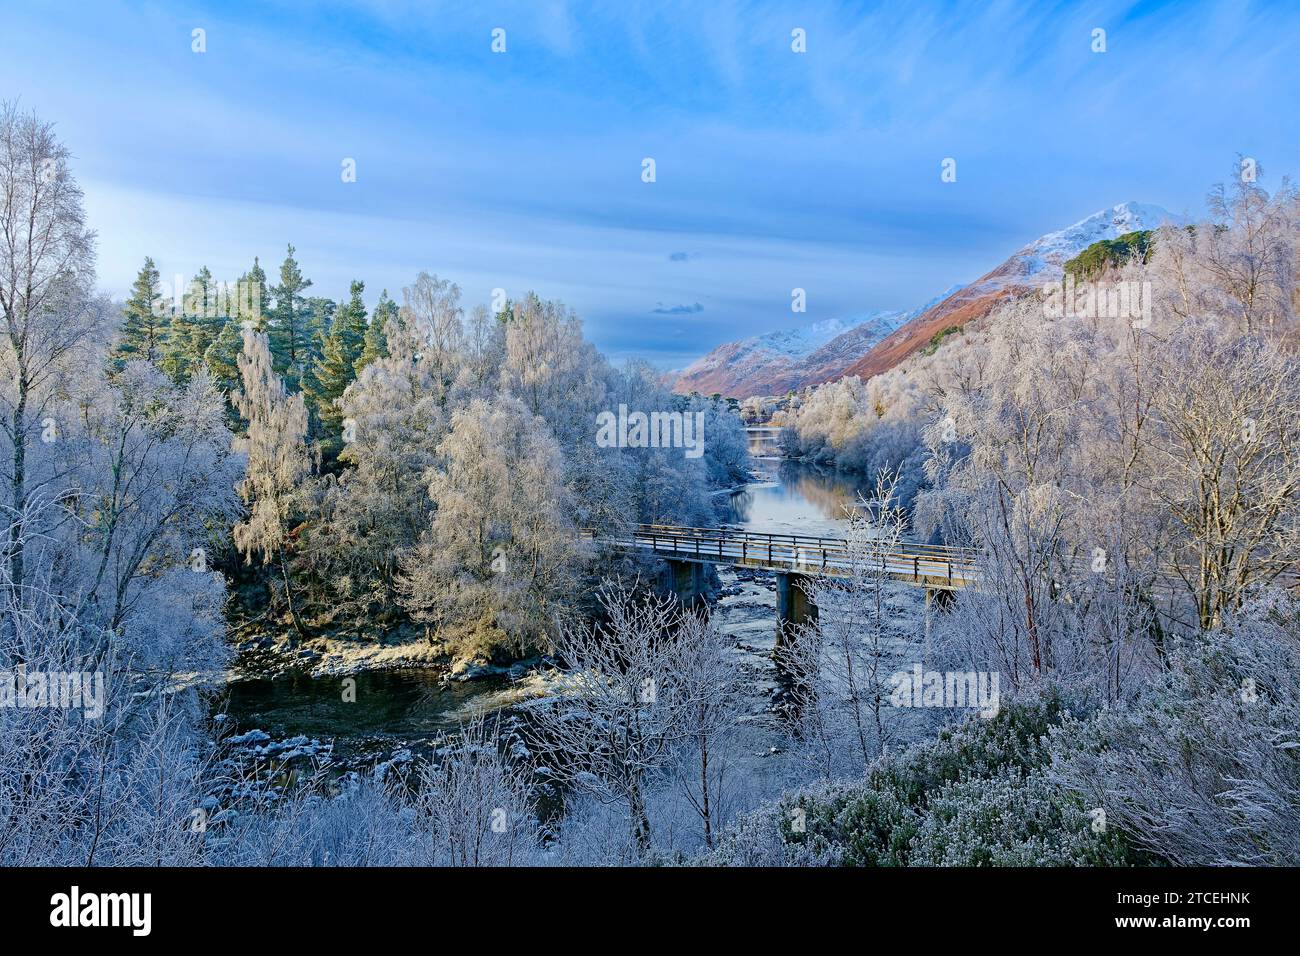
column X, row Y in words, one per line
column 1049, row 253
column 804, row 340
column 798, row 342
column 786, row 358
column 869, row 344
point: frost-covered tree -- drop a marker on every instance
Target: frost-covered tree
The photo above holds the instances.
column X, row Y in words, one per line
column 46, row 273
column 840, row 667
column 372, row 511
column 277, row 461
column 707, row 680
column 1240, row 265
column 484, row 350
column 431, row 313
column 150, row 476
column 552, row 369
column 864, row 427
column 498, row 554
column 621, row 710
column 1222, row 459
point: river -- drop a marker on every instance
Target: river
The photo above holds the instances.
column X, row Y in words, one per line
column 386, row 712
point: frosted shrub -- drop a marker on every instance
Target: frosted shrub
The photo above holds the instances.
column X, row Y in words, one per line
column 976, row 795
column 364, row 825
column 1010, row 820
column 763, row 838
column 474, row 806
column 1204, row 769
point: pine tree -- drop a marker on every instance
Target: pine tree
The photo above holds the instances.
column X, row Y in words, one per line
column 336, row 368
column 222, row 356
column 376, row 338
column 290, row 319
column 193, row 328
column 143, row 324
column 254, row 297
column 320, row 319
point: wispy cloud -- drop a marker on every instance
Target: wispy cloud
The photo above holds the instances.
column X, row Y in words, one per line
column 691, row 309
column 817, row 170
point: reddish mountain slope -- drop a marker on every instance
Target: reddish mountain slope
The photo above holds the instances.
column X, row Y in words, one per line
column 1040, row 262
column 777, row 362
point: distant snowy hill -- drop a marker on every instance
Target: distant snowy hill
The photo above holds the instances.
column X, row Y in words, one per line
column 1027, row 270
column 1047, row 255
column 774, row 363
column 796, row 343
column 869, row 344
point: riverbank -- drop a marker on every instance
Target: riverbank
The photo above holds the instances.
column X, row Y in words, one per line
column 408, row 691
column 267, row 655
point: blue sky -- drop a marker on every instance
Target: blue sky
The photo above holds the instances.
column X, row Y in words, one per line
column 522, row 170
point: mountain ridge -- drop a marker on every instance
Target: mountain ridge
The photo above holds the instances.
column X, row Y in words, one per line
column 777, row 362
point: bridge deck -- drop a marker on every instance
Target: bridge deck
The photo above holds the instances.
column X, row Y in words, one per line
column 928, row 565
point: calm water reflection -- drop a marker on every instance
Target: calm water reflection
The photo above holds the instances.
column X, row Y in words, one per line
column 793, row 497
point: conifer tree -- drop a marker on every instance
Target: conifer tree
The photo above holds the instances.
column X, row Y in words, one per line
column 254, row 296
column 193, row 328
column 375, row 345
column 222, row 356
column 144, row 323
column 320, row 320
column 290, row 320
column 335, row 369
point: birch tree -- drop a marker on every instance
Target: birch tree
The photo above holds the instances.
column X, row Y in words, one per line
column 709, row 683
column 278, row 461
column 621, row 712
column 499, row 550
column 46, row 273
column 1223, row 461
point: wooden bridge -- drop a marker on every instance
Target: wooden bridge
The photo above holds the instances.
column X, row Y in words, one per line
column 927, row 566
column 940, row 570
column 792, row 557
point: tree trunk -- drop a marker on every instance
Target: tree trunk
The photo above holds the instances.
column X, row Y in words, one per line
column 704, row 792
column 18, row 495
column 288, row 597
column 640, row 819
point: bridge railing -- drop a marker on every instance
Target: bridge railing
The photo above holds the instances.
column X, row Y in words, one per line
column 798, row 552
column 943, row 552
column 810, row 553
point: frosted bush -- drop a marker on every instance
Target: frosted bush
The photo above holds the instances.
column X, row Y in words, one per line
column 1204, row 769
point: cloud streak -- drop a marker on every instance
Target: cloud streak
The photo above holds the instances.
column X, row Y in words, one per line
column 522, row 170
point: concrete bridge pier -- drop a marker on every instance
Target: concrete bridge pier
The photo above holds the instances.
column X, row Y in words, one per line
column 941, row 599
column 793, row 607
column 685, row 580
